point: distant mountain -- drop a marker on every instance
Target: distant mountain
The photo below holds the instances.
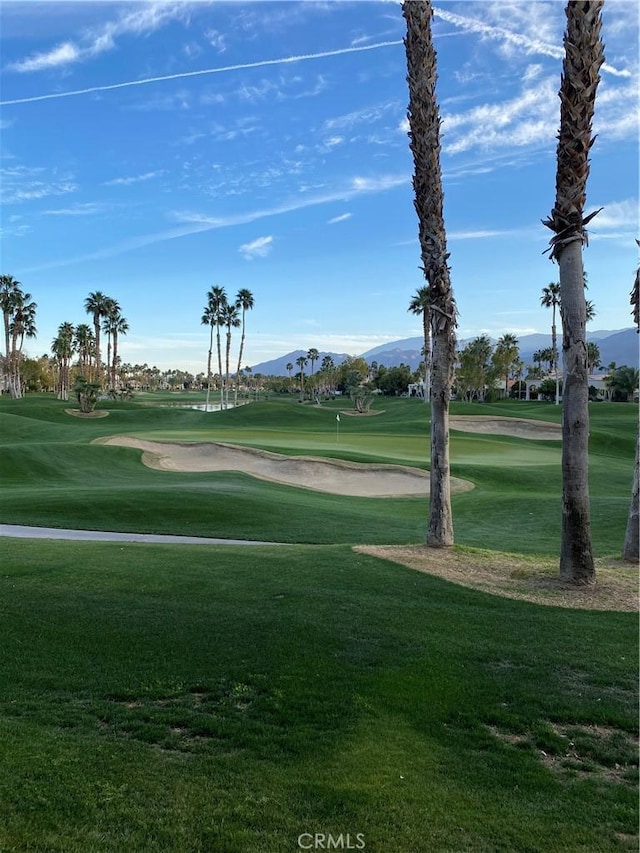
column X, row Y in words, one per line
column 619, row 346
column 278, row 366
column 406, row 344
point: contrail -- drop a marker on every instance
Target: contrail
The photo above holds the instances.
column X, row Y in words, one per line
column 261, row 64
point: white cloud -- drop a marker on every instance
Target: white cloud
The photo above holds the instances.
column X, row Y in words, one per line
column 529, row 44
column 258, row 248
column 63, row 54
column 216, row 40
column 19, row 183
column 144, row 19
column 333, row 141
column 368, row 115
column 87, row 209
column 530, row 118
column 616, row 215
column 135, row 179
column 341, row 218
column 378, row 183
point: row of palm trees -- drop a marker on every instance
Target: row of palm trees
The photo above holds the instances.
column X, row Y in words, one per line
column 220, row 313
column 19, row 320
column 86, row 343
column 312, row 356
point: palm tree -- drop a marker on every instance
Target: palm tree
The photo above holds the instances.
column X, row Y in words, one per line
column 112, row 310
column 62, row 348
column 229, row 318
column 10, row 294
column 327, row 367
column 593, row 357
column 289, row 368
column 98, row 305
column 244, row 301
column 84, row 344
column 313, row 355
column 424, row 135
column 217, row 300
column 248, row 371
column 551, row 299
column 419, row 306
column 119, row 326
column 11, row 297
column 209, row 319
column 631, row 547
column 212, row 316
column 505, row 356
column 301, row 361
column 21, row 326
column 584, row 54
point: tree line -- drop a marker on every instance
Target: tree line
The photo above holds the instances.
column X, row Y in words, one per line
column 90, row 373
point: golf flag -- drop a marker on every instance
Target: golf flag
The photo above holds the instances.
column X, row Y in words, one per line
column 338, row 418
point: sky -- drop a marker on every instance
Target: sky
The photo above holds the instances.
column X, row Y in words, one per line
column 153, row 150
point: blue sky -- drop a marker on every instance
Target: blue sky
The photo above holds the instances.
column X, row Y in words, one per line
column 152, row 150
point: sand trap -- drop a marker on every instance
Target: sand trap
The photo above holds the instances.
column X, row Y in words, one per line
column 335, row 476
column 518, row 427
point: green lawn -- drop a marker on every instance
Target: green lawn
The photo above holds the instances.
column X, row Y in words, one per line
column 53, row 476
column 193, row 699
column 228, row 700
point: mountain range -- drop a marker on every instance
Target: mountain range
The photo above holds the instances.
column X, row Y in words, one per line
column 619, row 346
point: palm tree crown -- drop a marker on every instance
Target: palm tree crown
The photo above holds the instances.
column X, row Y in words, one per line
column 98, row 305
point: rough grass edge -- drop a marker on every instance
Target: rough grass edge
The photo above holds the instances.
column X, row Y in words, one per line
column 527, row 578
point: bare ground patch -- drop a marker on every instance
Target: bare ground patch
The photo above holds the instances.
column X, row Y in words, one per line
column 515, row 576
column 336, row 476
column 99, row 413
column 517, row 427
column 596, row 752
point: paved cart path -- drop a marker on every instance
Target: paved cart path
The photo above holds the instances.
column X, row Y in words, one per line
column 20, row 531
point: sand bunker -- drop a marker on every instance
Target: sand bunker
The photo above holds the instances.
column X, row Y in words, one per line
column 335, row 476
column 518, row 427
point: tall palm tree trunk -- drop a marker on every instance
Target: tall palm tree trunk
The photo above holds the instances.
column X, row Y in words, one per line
column 554, row 348
column 631, row 547
column 235, row 396
column 424, row 122
column 426, row 332
column 114, row 359
column 584, row 54
column 220, row 366
column 209, row 367
column 226, row 376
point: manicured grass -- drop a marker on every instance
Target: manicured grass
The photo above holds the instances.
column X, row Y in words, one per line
column 53, row 476
column 183, row 698
column 198, row 699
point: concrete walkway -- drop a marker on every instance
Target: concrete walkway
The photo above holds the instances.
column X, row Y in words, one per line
column 21, row 532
